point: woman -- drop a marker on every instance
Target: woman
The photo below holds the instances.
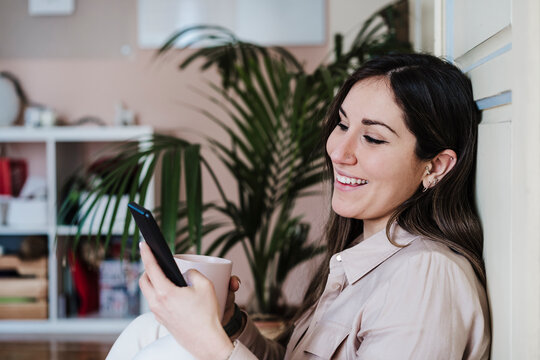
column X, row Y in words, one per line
column 403, row 276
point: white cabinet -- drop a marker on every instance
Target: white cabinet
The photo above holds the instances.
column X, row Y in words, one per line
column 54, row 154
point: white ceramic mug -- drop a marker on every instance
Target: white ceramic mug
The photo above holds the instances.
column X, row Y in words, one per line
column 217, row 270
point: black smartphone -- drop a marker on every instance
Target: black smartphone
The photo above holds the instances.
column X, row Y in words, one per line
column 154, row 238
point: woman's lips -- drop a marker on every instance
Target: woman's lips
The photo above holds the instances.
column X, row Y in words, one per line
column 344, row 182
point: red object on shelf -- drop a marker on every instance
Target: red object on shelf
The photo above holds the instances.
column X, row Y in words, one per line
column 5, row 177
column 19, row 173
column 13, row 174
column 86, row 283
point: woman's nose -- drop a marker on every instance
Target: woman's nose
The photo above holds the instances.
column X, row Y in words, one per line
column 343, row 153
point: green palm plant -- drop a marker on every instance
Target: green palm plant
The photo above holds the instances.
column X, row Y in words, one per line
column 275, row 156
column 273, row 151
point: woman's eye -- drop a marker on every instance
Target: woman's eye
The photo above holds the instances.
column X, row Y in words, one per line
column 342, row 126
column 369, row 139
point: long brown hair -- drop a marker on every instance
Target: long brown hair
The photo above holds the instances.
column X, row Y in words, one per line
column 438, row 106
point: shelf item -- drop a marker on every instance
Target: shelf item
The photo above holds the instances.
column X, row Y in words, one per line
column 36, row 267
column 5, row 177
column 23, row 212
column 23, row 311
column 10, row 99
column 119, row 288
column 13, row 174
column 23, row 295
column 23, row 288
column 85, row 282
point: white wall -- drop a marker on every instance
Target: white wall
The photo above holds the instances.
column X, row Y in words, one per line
column 525, row 278
column 497, row 43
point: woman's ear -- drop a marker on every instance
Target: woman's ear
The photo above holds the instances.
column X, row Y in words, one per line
column 438, row 167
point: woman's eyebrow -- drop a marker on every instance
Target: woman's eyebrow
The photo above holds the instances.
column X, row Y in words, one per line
column 375, row 122
column 370, row 122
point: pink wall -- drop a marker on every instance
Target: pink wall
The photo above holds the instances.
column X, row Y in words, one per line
column 74, row 65
column 155, row 89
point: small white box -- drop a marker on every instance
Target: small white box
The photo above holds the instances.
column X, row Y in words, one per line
column 26, row 212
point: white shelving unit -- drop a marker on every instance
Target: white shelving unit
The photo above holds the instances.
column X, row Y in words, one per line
column 57, row 144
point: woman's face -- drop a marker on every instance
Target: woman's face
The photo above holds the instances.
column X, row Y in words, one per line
column 372, row 153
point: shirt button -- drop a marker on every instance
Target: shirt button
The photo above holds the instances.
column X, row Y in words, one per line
column 338, row 257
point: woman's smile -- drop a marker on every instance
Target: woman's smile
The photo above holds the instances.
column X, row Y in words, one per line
column 346, row 183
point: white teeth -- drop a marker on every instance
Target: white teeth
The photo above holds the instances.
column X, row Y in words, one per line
column 348, row 180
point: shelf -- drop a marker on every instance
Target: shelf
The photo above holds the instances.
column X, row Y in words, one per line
column 67, row 230
column 23, row 230
column 74, row 133
column 53, row 153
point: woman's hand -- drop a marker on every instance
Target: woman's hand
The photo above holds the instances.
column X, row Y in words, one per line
column 189, row 313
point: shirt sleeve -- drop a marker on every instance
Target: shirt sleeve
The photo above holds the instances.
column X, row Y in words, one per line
column 431, row 308
column 241, row 352
column 251, row 345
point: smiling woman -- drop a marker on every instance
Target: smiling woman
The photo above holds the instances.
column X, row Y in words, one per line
column 379, row 153
column 403, row 276
column 408, row 238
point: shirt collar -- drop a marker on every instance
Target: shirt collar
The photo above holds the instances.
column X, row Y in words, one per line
column 369, row 253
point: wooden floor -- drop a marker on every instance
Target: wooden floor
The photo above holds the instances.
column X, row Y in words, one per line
column 56, row 347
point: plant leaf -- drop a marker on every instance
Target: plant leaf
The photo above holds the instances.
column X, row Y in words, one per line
column 194, row 194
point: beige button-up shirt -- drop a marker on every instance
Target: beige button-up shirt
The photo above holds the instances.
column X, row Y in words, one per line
column 422, row 301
